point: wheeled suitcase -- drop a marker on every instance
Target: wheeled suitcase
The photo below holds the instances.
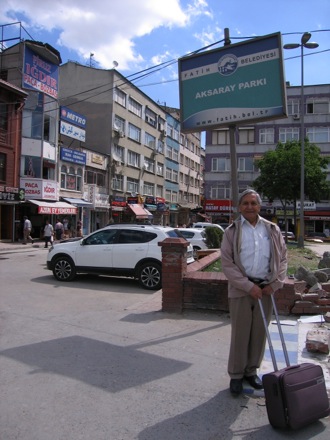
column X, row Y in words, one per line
column 296, row 395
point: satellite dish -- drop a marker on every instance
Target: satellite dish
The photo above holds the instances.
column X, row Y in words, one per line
column 114, row 64
column 116, row 127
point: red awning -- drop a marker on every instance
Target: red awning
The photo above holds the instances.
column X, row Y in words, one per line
column 139, row 211
column 56, row 208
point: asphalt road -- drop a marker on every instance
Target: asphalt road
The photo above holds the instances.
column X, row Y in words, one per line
column 97, row 359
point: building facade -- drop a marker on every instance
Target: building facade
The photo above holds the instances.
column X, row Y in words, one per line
column 252, row 141
column 12, row 100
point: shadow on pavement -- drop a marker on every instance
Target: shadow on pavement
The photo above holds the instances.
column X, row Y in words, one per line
column 100, row 364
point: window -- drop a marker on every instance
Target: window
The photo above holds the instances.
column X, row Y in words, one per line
column 95, row 177
column 107, row 236
column 118, row 182
column 245, row 164
column 293, row 107
column 71, row 178
column 175, row 134
column 266, row 136
column 168, row 174
column 169, row 152
column 160, row 169
column 31, row 166
column 120, row 97
column 288, row 134
column 320, row 107
column 318, row 134
column 220, row 137
column 160, row 147
column 32, row 122
column 169, row 131
column 118, row 153
column 151, row 117
column 3, row 164
column 3, row 116
column 132, row 185
column 150, row 141
column 134, row 133
column 159, row 191
column 133, row 159
column 161, row 123
column 175, row 176
column 148, row 189
column 246, row 136
column 119, row 124
column 220, row 192
column 220, row 164
column 134, row 107
column 175, row 155
column 149, row 165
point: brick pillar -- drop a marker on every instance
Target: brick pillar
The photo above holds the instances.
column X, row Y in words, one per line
column 174, row 267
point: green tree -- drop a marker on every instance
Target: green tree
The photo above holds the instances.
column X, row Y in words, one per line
column 280, row 174
column 213, row 237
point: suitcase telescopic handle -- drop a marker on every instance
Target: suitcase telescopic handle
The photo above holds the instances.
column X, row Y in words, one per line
column 270, row 344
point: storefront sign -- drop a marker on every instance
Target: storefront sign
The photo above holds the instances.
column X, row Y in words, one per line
column 72, row 131
column 73, row 156
column 223, row 206
column 11, row 194
column 39, row 74
column 39, row 188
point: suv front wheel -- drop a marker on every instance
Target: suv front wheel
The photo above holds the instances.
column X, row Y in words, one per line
column 149, row 276
column 64, row 269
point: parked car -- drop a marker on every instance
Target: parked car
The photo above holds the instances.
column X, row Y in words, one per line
column 196, row 237
column 202, row 225
column 290, row 235
column 317, row 236
column 120, row 250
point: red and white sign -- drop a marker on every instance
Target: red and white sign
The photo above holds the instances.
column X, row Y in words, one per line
column 39, row 189
column 218, row 206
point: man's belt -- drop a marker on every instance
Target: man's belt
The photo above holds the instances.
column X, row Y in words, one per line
column 258, row 281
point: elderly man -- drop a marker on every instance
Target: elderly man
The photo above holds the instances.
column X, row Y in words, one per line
column 254, row 259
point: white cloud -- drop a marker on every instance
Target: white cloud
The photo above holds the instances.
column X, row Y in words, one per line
column 109, row 29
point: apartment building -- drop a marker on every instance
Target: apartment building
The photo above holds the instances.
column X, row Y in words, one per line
column 252, row 141
column 142, row 141
column 94, row 147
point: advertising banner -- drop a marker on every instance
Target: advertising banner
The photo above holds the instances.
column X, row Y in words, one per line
column 39, row 74
column 233, row 85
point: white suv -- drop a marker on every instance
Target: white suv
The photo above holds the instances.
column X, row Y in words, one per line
column 121, row 250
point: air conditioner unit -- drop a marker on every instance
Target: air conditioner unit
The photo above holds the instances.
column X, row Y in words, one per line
column 163, row 133
column 121, row 134
column 296, row 116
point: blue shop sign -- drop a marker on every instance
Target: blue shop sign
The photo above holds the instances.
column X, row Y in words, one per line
column 73, row 156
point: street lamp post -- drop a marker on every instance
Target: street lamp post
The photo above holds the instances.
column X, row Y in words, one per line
column 303, row 44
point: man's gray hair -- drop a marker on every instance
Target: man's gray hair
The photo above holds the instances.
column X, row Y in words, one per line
column 249, row 191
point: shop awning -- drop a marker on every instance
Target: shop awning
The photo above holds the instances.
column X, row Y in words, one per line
column 139, row 211
column 56, row 208
column 81, row 203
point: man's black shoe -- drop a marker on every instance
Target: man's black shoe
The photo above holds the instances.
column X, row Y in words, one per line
column 254, row 381
column 236, row 386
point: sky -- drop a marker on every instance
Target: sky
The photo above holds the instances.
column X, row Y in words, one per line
column 143, row 39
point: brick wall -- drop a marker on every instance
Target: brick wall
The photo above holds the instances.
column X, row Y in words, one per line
column 187, row 287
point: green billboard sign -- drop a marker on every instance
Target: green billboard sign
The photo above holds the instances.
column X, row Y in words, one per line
column 233, row 85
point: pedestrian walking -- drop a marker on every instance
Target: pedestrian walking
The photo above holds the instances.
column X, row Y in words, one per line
column 59, row 230
column 27, row 228
column 254, row 259
column 48, row 233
